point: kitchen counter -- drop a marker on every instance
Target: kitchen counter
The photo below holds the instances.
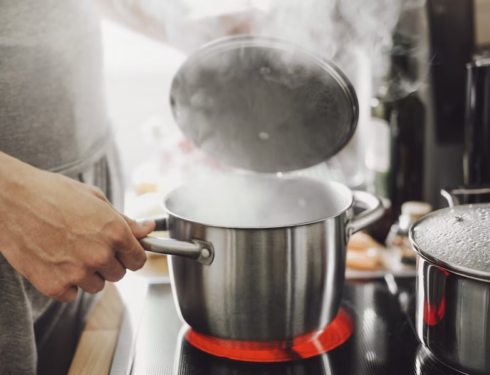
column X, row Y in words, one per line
column 98, row 341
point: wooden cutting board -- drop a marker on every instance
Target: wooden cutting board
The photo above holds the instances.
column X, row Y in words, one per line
column 98, row 341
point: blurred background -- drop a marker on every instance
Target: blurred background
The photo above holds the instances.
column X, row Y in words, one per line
column 138, row 72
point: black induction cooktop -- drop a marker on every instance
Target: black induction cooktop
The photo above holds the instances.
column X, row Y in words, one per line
column 383, row 341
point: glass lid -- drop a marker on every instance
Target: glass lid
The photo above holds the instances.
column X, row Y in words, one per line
column 457, row 238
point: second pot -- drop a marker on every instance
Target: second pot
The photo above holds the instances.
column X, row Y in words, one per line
column 453, row 286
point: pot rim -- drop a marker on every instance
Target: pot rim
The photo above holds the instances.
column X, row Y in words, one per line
column 336, row 214
column 456, row 269
column 462, row 271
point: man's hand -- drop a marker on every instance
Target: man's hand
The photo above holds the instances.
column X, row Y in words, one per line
column 61, row 234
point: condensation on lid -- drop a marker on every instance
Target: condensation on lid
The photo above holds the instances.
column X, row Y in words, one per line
column 458, row 238
column 263, row 104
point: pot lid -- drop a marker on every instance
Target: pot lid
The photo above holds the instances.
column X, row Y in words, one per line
column 263, row 104
column 456, row 238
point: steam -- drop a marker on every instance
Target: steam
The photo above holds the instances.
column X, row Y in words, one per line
column 336, row 28
column 332, row 28
column 354, row 34
column 257, row 201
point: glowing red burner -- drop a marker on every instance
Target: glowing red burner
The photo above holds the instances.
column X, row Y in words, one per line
column 306, row 346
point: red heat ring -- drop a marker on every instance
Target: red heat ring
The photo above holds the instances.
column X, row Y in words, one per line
column 305, row 346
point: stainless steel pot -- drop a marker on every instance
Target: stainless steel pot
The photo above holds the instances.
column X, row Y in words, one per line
column 275, row 269
column 453, row 317
column 453, row 286
column 270, row 251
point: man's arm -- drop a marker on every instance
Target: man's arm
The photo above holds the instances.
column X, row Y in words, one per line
column 61, row 234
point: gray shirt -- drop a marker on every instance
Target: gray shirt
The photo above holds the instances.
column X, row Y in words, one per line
column 51, row 116
column 51, row 99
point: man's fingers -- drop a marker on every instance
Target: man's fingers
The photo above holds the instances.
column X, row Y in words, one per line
column 92, row 284
column 114, row 272
column 123, row 245
column 133, row 257
column 140, row 228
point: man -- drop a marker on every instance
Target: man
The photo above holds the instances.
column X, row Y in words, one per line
column 60, row 235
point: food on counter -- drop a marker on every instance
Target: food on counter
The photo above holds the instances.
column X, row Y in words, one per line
column 362, row 241
column 369, row 260
column 364, row 253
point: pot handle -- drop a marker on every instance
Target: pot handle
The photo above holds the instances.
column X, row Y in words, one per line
column 374, row 212
column 201, row 251
column 451, row 193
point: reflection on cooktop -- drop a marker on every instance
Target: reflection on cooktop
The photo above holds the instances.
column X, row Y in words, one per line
column 383, row 341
